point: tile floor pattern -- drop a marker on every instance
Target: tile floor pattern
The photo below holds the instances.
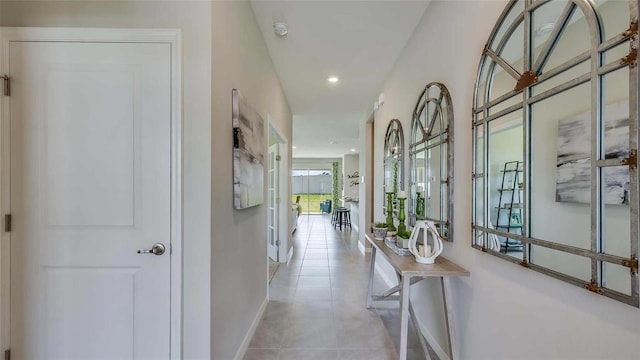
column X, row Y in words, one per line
column 317, row 304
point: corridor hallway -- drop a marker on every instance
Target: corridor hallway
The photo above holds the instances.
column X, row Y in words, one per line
column 317, row 303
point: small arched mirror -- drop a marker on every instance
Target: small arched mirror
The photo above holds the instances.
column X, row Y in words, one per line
column 393, row 160
column 431, row 159
column 555, row 133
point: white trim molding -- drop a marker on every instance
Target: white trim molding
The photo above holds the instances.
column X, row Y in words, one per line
column 362, row 249
column 173, row 37
column 242, row 350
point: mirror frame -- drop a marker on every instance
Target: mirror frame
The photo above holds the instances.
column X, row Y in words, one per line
column 531, row 75
column 393, row 149
column 420, row 134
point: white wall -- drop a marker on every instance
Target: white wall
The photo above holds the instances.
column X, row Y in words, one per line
column 365, row 193
column 314, row 163
column 503, row 311
column 239, row 248
column 194, row 19
column 350, row 166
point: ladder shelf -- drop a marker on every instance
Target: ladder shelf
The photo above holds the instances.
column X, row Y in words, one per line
column 509, row 208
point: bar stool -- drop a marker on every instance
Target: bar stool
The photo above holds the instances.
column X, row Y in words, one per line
column 334, row 215
column 342, row 216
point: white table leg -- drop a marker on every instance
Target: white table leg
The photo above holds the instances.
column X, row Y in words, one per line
column 371, row 274
column 405, row 294
column 448, row 314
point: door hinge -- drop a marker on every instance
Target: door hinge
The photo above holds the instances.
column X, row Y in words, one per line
column 7, row 85
column 7, row 223
column 632, row 160
column 7, row 354
column 278, row 157
column 277, row 242
column 632, row 264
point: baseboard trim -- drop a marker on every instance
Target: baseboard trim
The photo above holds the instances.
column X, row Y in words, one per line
column 247, row 339
column 290, row 255
column 442, row 354
column 362, row 249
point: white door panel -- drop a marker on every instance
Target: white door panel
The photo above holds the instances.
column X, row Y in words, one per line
column 103, row 127
column 90, row 185
column 272, row 220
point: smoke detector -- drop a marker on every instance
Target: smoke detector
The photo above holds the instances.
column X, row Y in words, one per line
column 280, row 28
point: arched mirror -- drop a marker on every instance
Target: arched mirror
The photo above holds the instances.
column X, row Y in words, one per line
column 555, row 119
column 431, row 159
column 393, row 160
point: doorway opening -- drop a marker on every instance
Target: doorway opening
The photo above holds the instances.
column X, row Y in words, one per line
column 312, row 190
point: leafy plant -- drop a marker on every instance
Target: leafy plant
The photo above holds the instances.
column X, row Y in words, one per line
column 335, row 183
column 404, row 234
column 380, row 225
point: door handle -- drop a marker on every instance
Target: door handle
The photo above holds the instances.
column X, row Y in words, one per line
column 157, row 249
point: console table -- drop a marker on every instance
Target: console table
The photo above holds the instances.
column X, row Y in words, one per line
column 410, row 272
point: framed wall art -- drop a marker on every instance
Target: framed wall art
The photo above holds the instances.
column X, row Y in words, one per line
column 248, row 154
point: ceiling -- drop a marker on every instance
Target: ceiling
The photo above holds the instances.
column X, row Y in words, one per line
column 358, row 41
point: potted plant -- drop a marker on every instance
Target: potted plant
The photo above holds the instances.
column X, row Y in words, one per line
column 379, row 230
column 403, row 238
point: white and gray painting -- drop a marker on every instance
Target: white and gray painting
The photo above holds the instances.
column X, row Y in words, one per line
column 573, row 177
column 248, row 154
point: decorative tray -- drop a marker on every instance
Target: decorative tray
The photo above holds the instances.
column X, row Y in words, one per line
column 391, row 244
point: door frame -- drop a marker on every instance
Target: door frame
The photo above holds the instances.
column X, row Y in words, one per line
column 173, row 37
column 284, row 176
column 277, row 198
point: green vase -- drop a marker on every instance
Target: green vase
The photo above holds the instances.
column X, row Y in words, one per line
column 390, row 211
column 401, row 217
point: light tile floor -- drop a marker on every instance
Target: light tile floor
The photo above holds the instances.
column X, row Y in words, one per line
column 317, row 303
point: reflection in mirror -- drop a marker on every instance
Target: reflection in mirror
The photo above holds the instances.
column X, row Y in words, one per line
column 615, row 278
column 505, row 180
column 431, row 159
column 576, row 268
column 561, row 168
column 615, row 16
column 555, row 179
column 513, row 17
column 393, row 163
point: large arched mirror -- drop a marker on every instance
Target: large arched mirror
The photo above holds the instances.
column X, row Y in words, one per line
column 431, row 159
column 555, row 119
column 393, row 160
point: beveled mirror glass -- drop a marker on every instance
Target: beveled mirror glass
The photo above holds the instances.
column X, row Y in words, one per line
column 393, row 160
column 431, row 159
column 555, row 138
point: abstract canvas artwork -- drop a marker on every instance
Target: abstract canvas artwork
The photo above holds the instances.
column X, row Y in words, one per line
column 573, row 177
column 248, row 154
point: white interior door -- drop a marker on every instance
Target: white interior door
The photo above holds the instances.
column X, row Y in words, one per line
column 90, row 186
column 274, row 199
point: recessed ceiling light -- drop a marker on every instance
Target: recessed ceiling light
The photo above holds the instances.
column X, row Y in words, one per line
column 293, row 147
column 354, row 150
column 333, row 79
column 545, row 29
column 280, row 28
